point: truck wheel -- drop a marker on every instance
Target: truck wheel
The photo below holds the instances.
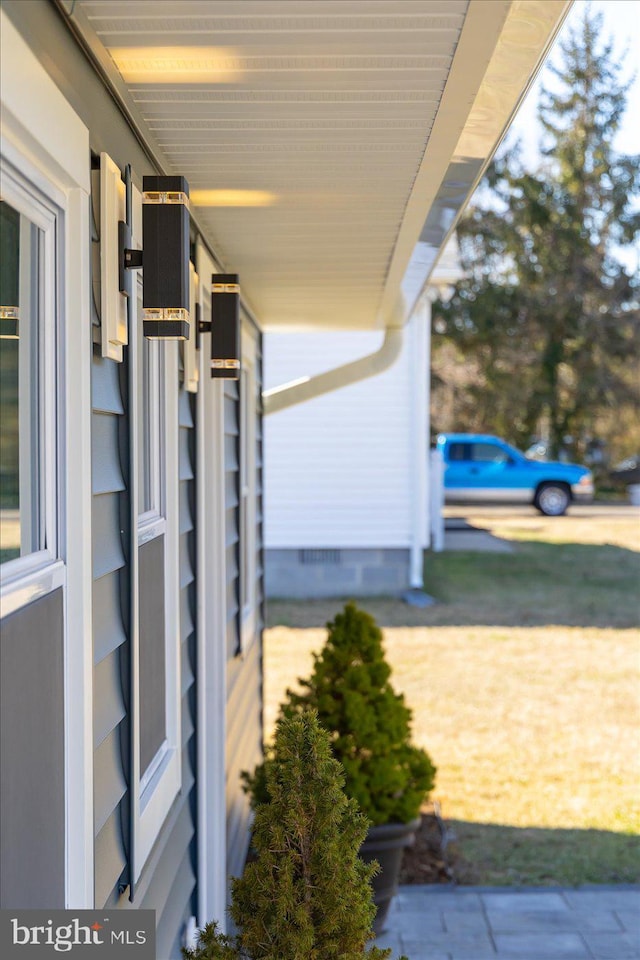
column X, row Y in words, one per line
column 552, row 499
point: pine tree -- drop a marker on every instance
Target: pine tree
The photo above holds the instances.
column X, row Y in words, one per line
column 369, row 723
column 547, row 311
column 307, row 896
column 212, row 945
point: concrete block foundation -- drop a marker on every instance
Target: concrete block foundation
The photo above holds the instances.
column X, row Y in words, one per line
column 305, row 574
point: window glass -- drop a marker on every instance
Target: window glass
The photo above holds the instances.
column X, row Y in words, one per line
column 148, row 414
column 153, row 685
column 145, row 486
column 152, row 586
column 488, row 453
column 20, row 495
column 457, row 451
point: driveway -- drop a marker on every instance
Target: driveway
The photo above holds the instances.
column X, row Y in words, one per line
column 587, row 511
column 494, row 528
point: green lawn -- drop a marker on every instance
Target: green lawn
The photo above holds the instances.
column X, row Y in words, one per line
column 524, row 680
column 541, row 583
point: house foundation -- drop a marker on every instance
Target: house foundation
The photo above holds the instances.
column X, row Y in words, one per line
column 305, row 574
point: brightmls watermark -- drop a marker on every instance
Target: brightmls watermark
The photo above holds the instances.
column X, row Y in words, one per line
column 78, row 934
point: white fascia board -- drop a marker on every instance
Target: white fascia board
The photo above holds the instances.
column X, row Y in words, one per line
column 501, row 48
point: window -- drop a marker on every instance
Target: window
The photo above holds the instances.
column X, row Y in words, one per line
column 28, row 388
column 488, row 453
column 151, row 530
column 156, row 758
column 148, row 415
column 458, row 452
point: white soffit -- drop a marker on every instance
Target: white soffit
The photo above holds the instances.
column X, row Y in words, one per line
column 337, row 139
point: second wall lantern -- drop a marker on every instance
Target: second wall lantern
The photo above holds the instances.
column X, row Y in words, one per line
column 224, row 326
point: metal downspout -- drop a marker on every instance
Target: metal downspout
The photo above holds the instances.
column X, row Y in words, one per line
column 298, row 391
column 420, row 387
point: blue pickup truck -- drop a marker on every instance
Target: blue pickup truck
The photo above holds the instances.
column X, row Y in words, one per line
column 483, row 469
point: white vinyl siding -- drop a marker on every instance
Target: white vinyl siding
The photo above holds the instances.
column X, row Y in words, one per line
column 337, row 470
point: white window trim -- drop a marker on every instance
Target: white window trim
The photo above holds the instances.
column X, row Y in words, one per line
column 54, row 158
column 29, row 582
column 154, row 790
column 157, row 788
column 150, row 526
column 248, row 492
column 211, row 628
column 32, row 568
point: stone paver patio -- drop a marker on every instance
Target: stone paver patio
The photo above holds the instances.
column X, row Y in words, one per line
column 477, row 923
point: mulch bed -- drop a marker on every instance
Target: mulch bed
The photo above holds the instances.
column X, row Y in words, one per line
column 432, row 858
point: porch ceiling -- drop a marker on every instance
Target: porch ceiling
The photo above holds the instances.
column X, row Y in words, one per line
column 341, row 137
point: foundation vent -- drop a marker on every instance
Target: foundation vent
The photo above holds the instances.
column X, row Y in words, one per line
column 309, row 557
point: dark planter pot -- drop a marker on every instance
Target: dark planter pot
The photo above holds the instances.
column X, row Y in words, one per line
column 385, row 844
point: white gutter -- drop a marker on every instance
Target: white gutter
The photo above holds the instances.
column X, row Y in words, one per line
column 297, row 391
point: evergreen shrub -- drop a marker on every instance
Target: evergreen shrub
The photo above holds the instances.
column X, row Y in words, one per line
column 369, row 724
column 307, row 895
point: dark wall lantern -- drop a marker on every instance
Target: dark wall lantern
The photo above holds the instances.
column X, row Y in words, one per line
column 164, row 257
column 224, row 326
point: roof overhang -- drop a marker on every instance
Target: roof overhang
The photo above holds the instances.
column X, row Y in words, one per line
column 330, row 145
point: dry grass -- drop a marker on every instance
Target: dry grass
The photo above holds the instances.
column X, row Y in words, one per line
column 534, row 728
column 528, row 726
